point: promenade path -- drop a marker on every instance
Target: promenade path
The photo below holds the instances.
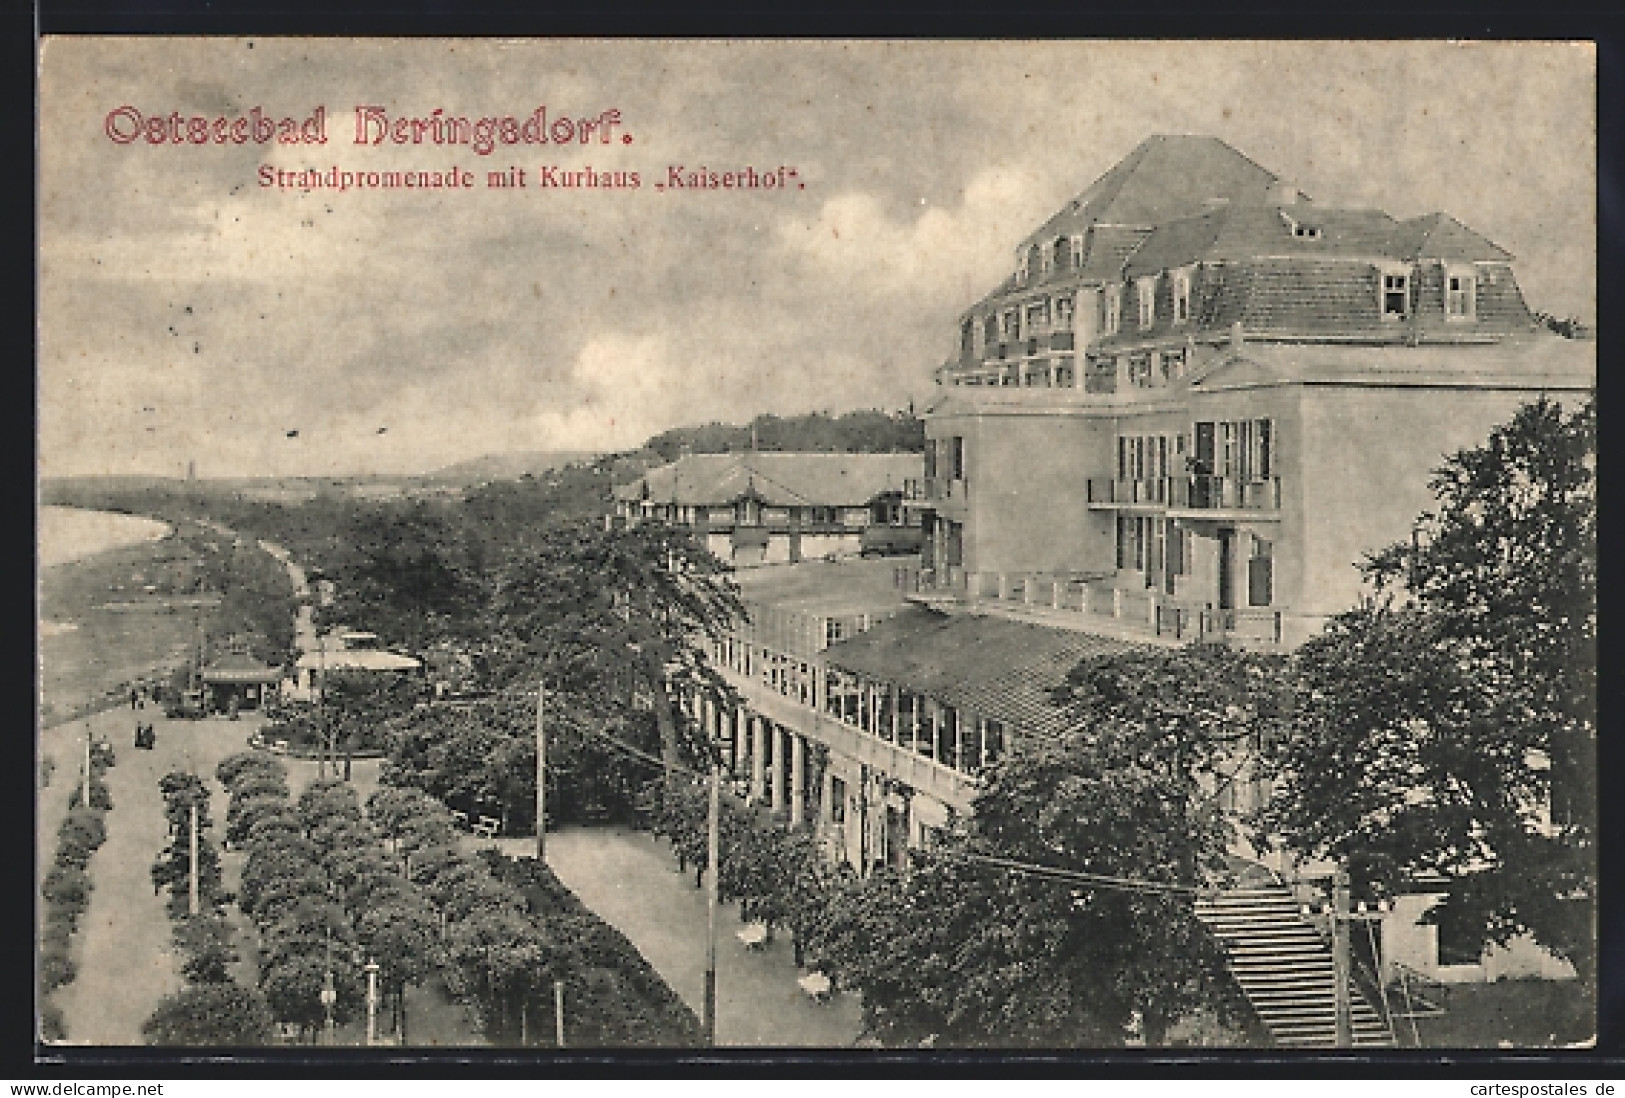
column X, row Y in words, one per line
column 123, row 950
column 123, row 944
column 630, row 879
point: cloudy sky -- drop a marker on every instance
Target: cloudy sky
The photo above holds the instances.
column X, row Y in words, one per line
column 189, row 313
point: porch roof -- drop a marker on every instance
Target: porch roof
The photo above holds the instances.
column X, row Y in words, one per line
column 994, row 667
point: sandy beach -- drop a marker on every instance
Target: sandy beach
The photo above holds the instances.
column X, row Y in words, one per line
column 68, row 533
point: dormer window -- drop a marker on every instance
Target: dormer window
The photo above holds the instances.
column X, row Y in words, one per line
column 1035, row 261
column 1063, row 254
column 1299, row 230
column 1077, row 252
column 1396, row 295
column 1182, row 296
column 1012, row 325
column 1146, row 290
column 1459, row 295
column 1114, row 310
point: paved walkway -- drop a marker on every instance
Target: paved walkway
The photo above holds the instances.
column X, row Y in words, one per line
column 630, row 879
column 123, row 944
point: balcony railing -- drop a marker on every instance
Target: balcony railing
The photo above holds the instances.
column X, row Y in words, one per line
column 1194, row 493
column 931, row 489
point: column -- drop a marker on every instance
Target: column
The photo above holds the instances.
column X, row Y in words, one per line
column 896, row 717
column 778, row 766
column 740, row 746
column 758, row 750
column 798, row 780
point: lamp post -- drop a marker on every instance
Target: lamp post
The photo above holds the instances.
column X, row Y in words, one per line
column 541, row 774
column 329, row 994
column 372, row 1003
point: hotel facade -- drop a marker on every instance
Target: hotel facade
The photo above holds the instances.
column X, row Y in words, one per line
column 1197, row 403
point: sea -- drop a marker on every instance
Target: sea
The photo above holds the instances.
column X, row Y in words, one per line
column 71, row 533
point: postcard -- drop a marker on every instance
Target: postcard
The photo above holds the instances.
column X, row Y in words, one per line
column 913, row 545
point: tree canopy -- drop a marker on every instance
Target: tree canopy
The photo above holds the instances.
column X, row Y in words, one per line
column 1445, row 730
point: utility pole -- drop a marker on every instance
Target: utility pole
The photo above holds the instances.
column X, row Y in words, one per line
column 191, row 891
column 558, row 1012
column 1340, row 957
column 541, row 774
column 84, row 780
column 712, row 842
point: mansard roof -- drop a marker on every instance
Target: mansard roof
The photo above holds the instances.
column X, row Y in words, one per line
column 1166, row 176
column 1249, row 232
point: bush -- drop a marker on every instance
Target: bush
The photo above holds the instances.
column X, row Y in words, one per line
column 56, row 969
column 67, row 888
column 51, row 1025
column 233, row 767
column 100, row 798
column 221, row 1015
column 205, row 941
column 82, row 833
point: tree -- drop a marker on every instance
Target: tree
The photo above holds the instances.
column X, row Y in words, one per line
column 967, row 949
column 1447, row 728
column 216, row 1015
column 206, row 943
column 624, row 614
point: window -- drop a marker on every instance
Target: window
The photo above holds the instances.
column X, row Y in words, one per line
column 1063, row 377
column 1063, row 314
column 1147, row 292
column 992, row 742
column 1458, row 296
column 1037, row 315
column 1077, row 252
column 1396, row 296
column 1182, row 296
column 1114, row 310
column 1063, row 254
column 1012, row 325
column 837, row 801
column 990, row 331
column 1260, row 574
column 1035, row 261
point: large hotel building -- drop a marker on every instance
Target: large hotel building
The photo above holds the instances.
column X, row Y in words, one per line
column 1193, row 406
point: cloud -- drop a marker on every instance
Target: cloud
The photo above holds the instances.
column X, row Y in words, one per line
column 942, row 254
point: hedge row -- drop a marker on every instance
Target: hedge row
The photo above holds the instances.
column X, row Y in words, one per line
column 66, row 888
column 211, row 1009
column 542, row 934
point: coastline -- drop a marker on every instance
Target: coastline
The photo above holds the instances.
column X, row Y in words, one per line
column 87, row 658
column 69, row 534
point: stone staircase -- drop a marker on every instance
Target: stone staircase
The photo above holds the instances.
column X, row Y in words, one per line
column 1285, row 968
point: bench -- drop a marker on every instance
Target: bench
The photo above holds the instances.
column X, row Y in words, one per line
column 487, row 827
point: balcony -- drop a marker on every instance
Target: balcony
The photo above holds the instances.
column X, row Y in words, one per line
column 1094, row 603
column 929, row 490
column 1196, row 496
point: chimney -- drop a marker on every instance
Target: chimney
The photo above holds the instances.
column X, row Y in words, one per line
column 1236, row 342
